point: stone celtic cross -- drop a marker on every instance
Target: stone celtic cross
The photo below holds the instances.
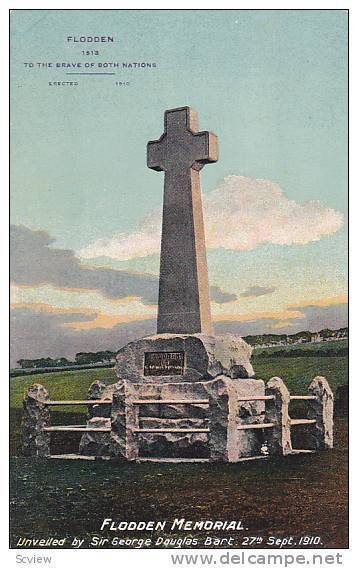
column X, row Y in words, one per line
column 181, row 152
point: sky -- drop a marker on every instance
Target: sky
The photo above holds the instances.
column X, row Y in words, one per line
column 86, row 211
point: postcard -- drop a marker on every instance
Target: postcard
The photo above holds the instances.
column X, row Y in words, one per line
column 179, row 339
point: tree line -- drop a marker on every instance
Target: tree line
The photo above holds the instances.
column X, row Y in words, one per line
column 300, row 337
column 81, row 358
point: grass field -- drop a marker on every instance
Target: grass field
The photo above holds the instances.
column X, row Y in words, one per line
column 299, row 495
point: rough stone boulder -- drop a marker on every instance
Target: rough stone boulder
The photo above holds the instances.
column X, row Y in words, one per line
column 249, row 442
column 36, row 416
column 204, row 358
column 172, row 444
column 96, row 443
column 99, row 391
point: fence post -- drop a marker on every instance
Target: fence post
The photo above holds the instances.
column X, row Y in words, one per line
column 278, row 437
column 124, row 420
column 223, row 412
column 321, row 410
column 118, row 422
column 132, row 422
column 36, row 416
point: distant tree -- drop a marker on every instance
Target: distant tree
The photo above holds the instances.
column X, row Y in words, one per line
column 85, row 358
column 326, row 333
column 305, row 336
column 105, row 356
column 62, row 362
column 26, row 363
column 91, row 358
column 251, row 339
column 45, row 362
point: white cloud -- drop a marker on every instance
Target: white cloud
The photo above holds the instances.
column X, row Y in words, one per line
column 240, row 214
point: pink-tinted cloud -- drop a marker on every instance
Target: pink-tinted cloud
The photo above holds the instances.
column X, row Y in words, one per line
column 240, row 214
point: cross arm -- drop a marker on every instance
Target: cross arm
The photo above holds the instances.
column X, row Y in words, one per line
column 154, row 155
column 206, row 148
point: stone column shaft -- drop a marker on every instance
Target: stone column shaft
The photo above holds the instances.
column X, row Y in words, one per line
column 184, row 303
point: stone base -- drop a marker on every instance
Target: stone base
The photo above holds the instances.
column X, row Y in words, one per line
column 180, row 367
column 222, row 416
column 184, row 358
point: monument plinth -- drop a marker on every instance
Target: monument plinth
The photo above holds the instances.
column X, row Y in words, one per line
column 173, row 357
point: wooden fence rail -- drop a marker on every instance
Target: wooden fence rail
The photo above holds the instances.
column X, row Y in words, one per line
column 170, row 401
column 75, row 402
column 74, row 429
column 302, row 397
column 254, row 398
column 299, row 421
column 256, row 426
column 171, row 430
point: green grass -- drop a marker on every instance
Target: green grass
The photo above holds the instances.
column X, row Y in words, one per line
column 298, row 372
column 62, row 385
